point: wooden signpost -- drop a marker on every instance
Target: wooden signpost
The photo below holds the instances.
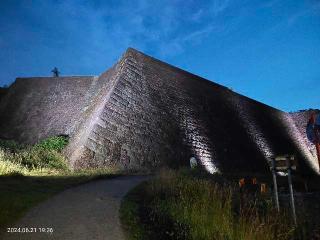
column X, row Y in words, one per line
column 284, row 163
column 288, row 163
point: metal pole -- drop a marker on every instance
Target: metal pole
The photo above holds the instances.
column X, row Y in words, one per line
column 275, row 185
column 291, row 190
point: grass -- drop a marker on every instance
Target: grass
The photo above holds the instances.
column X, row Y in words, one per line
column 44, row 157
column 184, row 205
column 31, row 174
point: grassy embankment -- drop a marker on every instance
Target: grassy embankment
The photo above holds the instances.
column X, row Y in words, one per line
column 189, row 205
column 31, row 174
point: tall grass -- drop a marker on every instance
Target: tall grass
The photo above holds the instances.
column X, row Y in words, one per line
column 25, row 159
column 177, row 206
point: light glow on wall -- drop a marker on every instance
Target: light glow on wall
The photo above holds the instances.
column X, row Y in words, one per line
column 197, row 139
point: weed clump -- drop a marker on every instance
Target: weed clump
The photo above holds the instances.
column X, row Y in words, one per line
column 43, row 156
column 56, row 143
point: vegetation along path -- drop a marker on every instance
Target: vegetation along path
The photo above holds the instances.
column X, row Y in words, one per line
column 89, row 211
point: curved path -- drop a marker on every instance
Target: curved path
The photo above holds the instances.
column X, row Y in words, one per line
column 89, row 211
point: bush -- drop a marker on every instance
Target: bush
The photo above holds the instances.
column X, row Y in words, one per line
column 19, row 158
column 53, row 143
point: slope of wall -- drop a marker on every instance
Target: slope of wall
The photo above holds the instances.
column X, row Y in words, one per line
column 100, row 92
column 157, row 114
column 128, row 131
column 36, row 108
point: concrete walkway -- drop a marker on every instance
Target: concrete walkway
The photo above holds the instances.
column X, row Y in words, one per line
column 89, row 211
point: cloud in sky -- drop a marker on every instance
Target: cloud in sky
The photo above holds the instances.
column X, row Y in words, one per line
column 87, row 30
column 161, row 28
column 313, row 8
column 239, row 43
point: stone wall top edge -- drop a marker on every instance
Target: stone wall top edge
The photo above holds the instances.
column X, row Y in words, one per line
column 61, row 77
column 195, row 77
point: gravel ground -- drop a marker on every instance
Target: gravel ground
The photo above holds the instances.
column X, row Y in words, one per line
column 89, row 211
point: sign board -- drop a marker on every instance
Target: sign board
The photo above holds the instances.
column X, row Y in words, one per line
column 282, row 166
column 281, row 162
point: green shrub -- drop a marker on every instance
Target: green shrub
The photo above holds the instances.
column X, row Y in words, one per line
column 56, row 143
column 24, row 159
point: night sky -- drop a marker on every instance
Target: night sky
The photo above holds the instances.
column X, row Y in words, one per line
column 266, row 50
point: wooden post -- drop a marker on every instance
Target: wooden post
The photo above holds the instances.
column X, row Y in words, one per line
column 291, row 190
column 275, row 185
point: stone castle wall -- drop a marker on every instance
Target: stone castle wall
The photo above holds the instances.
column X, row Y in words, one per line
column 36, row 108
column 159, row 115
column 143, row 113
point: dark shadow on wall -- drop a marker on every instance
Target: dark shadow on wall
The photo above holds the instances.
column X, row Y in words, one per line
column 3, row 91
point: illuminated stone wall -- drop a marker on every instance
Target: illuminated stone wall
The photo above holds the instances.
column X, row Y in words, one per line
column 143, row 113
column 39, row 107
column 161, row 115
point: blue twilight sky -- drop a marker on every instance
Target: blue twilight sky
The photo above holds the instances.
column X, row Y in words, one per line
column 267, row 50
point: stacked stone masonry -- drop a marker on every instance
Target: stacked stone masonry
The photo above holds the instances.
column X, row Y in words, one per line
column 143, row 114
